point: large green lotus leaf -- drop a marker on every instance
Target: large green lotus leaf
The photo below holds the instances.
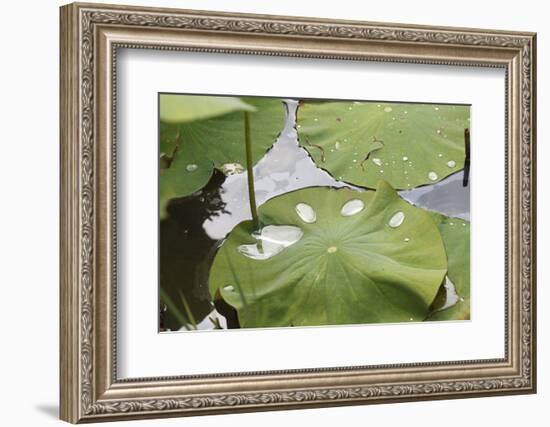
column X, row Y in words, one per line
column 456, row 236
column 406, row 144
column 219, row 143
column 186, row 108
column 343, row 270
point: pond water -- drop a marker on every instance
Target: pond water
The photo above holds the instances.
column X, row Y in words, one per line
column 197, row 224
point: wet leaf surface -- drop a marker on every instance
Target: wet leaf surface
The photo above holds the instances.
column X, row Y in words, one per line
column 363, row 257
column 406, row 144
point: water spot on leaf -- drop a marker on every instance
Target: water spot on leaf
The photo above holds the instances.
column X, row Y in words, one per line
column 191, row 167
column 432, row 176
column 271, row 240
column 377, row 161
column 451, row 163
column 397, row 219
column 306, row 213
column 352, row 207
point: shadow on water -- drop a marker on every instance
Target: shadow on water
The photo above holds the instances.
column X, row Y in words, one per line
column 186, row 253
column 197, row 224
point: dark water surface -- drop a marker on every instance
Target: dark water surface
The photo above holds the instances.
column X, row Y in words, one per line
column 197, row 224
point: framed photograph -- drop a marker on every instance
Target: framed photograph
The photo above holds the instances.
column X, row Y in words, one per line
column 267, row 212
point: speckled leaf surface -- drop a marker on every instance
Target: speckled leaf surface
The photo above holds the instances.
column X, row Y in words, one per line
column 406, row 144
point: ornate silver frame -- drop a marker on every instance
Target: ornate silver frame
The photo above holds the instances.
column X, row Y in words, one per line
column 90, row 36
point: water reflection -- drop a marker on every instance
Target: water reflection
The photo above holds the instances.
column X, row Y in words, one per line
column 284, row 168
column 186, row 253
column 448, row 197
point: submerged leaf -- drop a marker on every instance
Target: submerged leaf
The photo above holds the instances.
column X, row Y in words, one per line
column 405, row 144
column 217, row 142
column 456, row 236
column 364, row 257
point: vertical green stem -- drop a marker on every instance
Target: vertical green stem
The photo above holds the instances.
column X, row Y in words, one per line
column 251, row 190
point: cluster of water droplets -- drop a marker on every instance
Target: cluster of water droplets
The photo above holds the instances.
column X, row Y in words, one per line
column 273, row 239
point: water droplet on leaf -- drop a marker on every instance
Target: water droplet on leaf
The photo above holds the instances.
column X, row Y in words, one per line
column 352, row 207
column 306, row 213
column 432, row 175
column 397, row 219
column 191, row 167
column 451, row 163
column 272, row 240
column 388, row 109
column 377, row 161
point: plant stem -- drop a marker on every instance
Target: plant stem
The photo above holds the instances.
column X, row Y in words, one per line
column 250, row 172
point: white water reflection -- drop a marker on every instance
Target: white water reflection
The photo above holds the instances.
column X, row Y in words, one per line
column 287, row 167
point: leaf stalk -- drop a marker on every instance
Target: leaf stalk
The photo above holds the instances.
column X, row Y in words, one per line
column 250, row 171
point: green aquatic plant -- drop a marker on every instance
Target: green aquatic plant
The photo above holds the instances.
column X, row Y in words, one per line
column 332, row 256
column 195, row 141
column 406, row 144
column 456, row 236
column 321, row 255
